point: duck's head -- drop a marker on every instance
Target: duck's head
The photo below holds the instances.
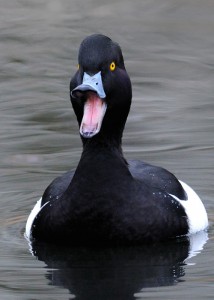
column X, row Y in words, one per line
column 101, row 89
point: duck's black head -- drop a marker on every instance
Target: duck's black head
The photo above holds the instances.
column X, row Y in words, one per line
column 101, row 89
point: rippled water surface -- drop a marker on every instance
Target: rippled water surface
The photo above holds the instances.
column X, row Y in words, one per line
column 168, row 47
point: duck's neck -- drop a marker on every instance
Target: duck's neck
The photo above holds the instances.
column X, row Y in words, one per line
column 108, row 139
column 101, row 162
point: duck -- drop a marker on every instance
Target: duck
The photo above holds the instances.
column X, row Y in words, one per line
column 108, row 200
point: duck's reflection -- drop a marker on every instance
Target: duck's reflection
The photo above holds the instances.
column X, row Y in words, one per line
column 117, row 273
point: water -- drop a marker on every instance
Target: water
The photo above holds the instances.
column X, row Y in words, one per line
column 168, row 49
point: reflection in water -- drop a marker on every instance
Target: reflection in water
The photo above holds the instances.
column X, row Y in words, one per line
column 117, row 273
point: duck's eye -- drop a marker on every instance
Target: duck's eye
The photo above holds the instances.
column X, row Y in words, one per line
column 112, row 66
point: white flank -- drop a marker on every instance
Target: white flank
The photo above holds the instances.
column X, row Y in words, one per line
column 37, row 208
column 194, row 208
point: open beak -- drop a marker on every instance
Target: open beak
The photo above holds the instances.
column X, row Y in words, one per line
column 94, row 107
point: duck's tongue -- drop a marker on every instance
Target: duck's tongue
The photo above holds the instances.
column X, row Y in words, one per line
column 94, row 111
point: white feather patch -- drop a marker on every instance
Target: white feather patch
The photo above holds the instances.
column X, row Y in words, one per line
column 195, row 210
column 37, row 208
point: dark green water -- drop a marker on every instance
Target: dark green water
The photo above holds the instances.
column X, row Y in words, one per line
column 168, row 48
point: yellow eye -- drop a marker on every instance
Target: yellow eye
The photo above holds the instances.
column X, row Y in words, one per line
column 112, row 66
column 78, row 66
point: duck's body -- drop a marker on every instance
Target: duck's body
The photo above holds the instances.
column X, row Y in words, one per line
column 107, row 200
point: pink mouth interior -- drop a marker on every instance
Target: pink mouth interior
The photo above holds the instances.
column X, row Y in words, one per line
column 94, row 110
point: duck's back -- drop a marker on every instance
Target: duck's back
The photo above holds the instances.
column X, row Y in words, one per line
column 157, row 178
